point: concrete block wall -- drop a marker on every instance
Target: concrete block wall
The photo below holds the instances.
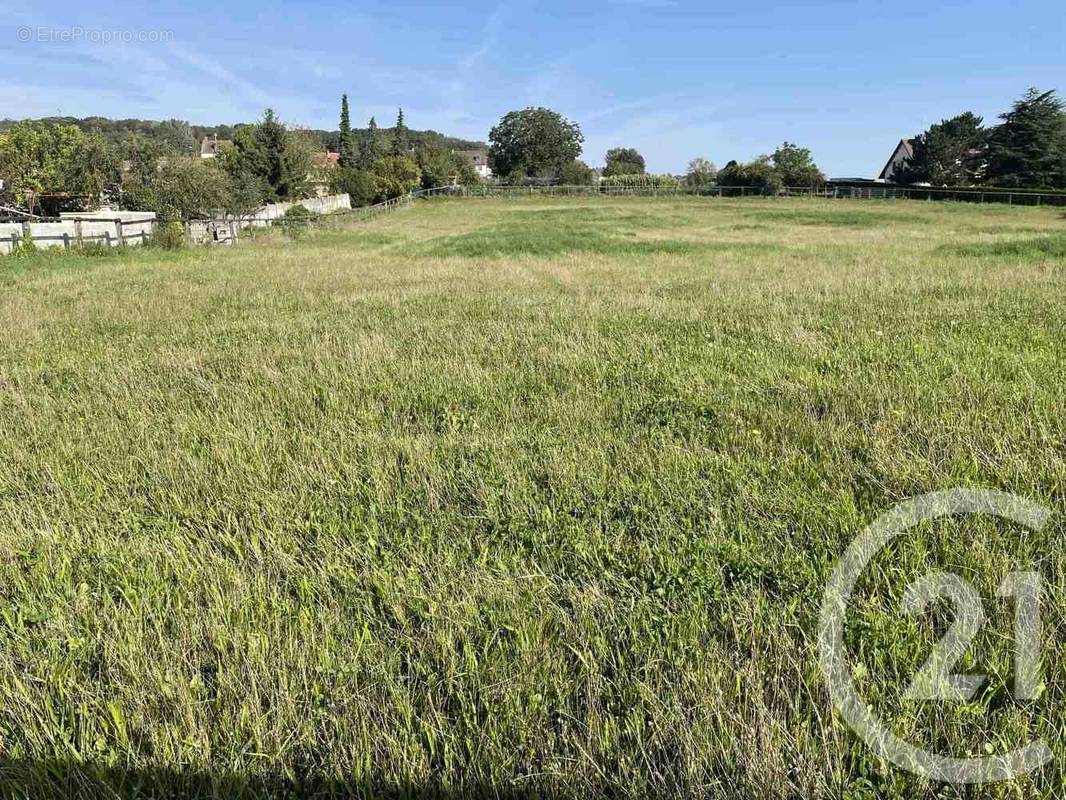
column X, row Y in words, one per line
column 100, row 227
column 135, row 227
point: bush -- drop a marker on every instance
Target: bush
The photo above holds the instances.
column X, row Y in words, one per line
column 395, row 176
column 576, row 174
column 759, row 175
column 168, row 236
column 358, row 184
column 297, row 220
column 641, row 182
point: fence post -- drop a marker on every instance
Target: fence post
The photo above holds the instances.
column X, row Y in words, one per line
column 27, row 233
column 232, row 233
column 119, row 232
column 66, row 241
column 14, row 241
column 107, row 238
column 77, row 232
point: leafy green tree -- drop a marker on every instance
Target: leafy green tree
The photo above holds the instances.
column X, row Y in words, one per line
column 442, row 167
column 1028, row 149
column 346, row 149
column 950, row 153
column 535, row 143
column 400, row 140
column 759, row 175
column 395, row 176
column 179, row 188
column 576, row 173
column 358, row 184
column 46, row 158
column 623, row 161
column 796, row 167
column 701, row 172
column 371, row 147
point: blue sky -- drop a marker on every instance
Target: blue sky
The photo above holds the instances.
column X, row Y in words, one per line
column 674, row 79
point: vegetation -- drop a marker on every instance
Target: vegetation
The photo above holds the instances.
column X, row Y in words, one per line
column 759, row 174
column 41, row 157
column 401, row 145
column 796, row 167
column 576, row 173
column 1026, row 150
column 347, row 151
column 950, row 153
column 701, row 172
column 372, row 516
column 623, row 161
column 533, row 143
column 643, row 181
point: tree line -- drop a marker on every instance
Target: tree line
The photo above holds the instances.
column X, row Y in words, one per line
column 538, row 145
column 1026, row 150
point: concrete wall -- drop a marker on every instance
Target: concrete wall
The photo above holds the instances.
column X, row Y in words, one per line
column 218, row 231
column 102, row 227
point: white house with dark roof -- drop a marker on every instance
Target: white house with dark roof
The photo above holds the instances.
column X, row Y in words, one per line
column 479, row 160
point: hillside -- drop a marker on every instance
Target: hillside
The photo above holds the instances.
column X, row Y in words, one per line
column 184, row 137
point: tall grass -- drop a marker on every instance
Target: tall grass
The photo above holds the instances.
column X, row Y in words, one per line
column 509, row 498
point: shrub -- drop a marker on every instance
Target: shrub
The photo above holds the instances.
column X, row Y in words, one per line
column 358, row 184
column 576, row 174
column 759, row 175
column 395, row 176
column 168, row 236
column 641, row 182
column 297, row 220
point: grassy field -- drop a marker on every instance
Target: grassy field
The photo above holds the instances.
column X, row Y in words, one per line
column 519, row 498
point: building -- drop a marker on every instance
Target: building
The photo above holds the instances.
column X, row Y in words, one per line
column 903, row 151
column 479, row 160
column 211, row 146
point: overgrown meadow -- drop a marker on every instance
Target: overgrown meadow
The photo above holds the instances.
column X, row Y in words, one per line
column 521, row 498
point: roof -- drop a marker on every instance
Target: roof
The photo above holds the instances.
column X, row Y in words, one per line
column 904, row 150
column 325, row 159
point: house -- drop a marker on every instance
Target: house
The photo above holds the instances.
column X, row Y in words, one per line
column 211, row 146
column 479, row 160
column 904, row 150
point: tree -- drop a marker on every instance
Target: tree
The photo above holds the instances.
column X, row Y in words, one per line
column 796, row 167
column 179, row 188
column 442, row 167
column 759, row 175
column 370, row 149
column 400, row 144
column 395, row 176
column 358, row 184
column 623, row 161
column 346, row 144
column 576, row 173
column 46, row 158
column 950, row 153
column 534, row 142
column 701, row 172
column 1028, row 149
column 281, row 159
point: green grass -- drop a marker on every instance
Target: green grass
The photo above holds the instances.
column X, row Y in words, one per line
column 515, row 498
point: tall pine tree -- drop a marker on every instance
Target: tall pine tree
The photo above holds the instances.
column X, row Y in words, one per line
column 370, row 149
column 1029, row 148
column 346, row 149
column 950, row 153
column 400, row 138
